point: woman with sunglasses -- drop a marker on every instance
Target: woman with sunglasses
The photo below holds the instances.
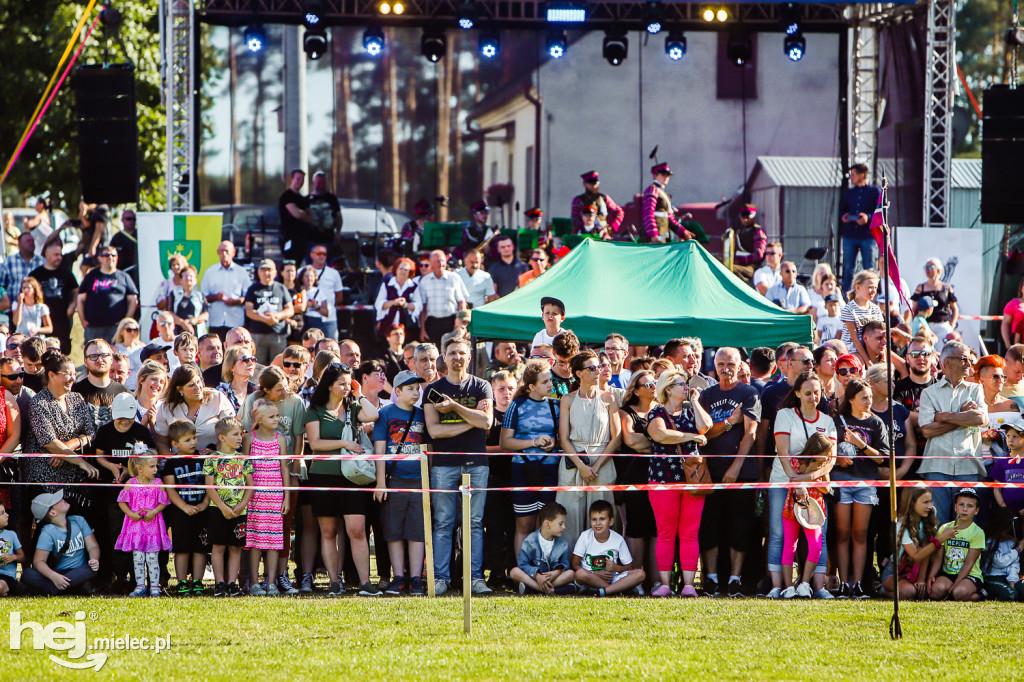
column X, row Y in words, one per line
column 587, row 429
column 237, row 371
column 333, row 411
column 638, row 517
column 127, row 337
column 825, row 359
column 990, row 372
column 676, row 432
column 848, row 367
column 186, row 397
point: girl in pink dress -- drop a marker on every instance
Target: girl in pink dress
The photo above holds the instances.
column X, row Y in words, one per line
column 264, row 531
column 144, row 533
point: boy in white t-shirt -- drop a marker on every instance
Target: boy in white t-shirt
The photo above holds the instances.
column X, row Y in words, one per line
column 601, row 559
column 830, row 326
column 552, row 311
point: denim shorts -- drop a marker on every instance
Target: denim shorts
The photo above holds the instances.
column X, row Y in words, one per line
column 867, row 496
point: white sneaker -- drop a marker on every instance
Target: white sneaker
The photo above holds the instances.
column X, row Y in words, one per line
column 480, row 587
column 774, row 594
column 789, row 592
column 804, row 591
column 823, row 594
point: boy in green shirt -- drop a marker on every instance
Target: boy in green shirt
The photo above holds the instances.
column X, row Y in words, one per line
column 960, row 576
column 229, row 477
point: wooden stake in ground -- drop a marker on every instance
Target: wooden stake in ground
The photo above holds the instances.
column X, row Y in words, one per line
column 467, row 560
column 428, row 535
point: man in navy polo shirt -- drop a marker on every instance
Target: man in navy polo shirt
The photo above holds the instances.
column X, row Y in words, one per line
column 855, row 208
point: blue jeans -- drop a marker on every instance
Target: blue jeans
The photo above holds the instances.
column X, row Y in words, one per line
column 37, row 583
column 866, row 247
column 328, row 327
column 776, row 501
column 943, row 498
column 445, row 507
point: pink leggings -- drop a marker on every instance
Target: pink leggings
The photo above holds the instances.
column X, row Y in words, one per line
column 790, row 536
column 676, row 513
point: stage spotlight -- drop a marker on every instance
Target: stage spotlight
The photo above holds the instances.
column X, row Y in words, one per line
column 790, row 21
column 314, row 43
column 373, row 40
column 566, row 12
column 738, row 48
column 654, row 15
column 465, row 15
column 675, row 44
column 709, row 14
column 795, row 46
column 556, row 44
column 433, row 45
column 398, row 8
column 615, row 47
column 722, row 14
column 312, row 13
column 490, row 43
column 384, row 7
column 255, row 37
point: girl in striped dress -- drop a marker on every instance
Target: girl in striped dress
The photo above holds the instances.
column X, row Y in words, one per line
column 266, row 511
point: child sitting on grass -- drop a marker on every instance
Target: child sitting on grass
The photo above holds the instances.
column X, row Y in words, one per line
column 960, row 576
column 1001, row 561
column 143, row 532
column 187, row 514
column 229, row 480
column 543, row 565
column 601, row 560
column 11, row 554
column 815, row 455
column 917, row 527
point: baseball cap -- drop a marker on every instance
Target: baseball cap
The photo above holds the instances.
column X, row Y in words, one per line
column 831, row 298
column 925, row 302
column 268, row 263
column 152, row 348
column 551, row 300
column 405, row 377
column 963, row 492
column 1015, row 425
column 124, row 406
column 41, row 504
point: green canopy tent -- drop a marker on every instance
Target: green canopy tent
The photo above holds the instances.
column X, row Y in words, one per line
column 648, row 292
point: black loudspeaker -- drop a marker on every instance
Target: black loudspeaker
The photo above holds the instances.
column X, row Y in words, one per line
column 1002, row 156
column 108, row 134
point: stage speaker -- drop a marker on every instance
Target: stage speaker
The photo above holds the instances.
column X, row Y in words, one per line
column 1002, row 155
column 108, row 134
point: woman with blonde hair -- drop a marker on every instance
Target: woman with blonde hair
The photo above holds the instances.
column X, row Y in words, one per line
column 176, row 263
column 127, row 337
column 945, row 314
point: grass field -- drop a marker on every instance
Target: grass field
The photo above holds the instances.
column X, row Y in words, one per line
column 531, row 638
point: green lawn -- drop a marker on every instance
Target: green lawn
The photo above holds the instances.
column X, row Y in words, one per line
column 532, row 638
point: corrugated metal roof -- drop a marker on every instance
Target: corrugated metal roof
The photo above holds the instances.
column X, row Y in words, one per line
column 822, row 171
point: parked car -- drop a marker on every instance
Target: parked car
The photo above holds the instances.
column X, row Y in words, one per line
column 256, row 229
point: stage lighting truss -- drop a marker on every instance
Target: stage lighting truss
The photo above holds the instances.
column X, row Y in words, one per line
column 312, row 13
column 255, row 38
column 790, row 20
column 675, row 44
column 615, row 47
column 373, row 41
column 490, row 44
column 654, row 17
column 466, row 15
column 566, row 12
column 556, row 44
column 396, row 7
column 433, row 45
column 314, row 43
column 795, row 46
column 738, row 49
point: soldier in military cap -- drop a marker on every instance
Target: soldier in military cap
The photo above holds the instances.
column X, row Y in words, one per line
column 476, row 231
column 535, row 221
column 609, row 214
column 656, row 209
column 749, row 243
column 412, row 231
column 590, row 225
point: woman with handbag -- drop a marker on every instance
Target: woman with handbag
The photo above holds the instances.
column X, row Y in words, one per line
column 333, row 428
column 588, row 428
column 675, row 432
column 797, row 419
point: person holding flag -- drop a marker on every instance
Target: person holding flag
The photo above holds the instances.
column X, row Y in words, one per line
column 857, row 222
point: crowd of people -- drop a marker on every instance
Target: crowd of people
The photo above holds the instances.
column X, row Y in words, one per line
column 212, row 444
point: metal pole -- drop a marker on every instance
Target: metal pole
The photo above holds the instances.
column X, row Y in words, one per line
column 895, row 631
column 428, row 535
column 467, row 558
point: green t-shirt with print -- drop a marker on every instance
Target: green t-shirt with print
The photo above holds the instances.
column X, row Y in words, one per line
column 957, row 547
column 229, row 476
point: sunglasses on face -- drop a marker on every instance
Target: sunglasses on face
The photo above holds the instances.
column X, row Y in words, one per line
column 806, row 361
column 292, row 365
column 108, row 255
column 247, row 358
column 131, row 329
column 999, row 377
column 843, row 371
column 538, row 260
column 165, row 323
column 648, row 385
column 15, row 376
column 919, row 354
column 12, row 346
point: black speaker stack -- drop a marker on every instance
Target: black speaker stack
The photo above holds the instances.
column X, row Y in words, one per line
column 108, row 134
column 1002, row 156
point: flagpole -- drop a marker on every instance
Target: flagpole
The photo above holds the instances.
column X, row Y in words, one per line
column 895, row 630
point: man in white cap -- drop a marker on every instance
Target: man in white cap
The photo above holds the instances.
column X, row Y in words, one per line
column 66, row 542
